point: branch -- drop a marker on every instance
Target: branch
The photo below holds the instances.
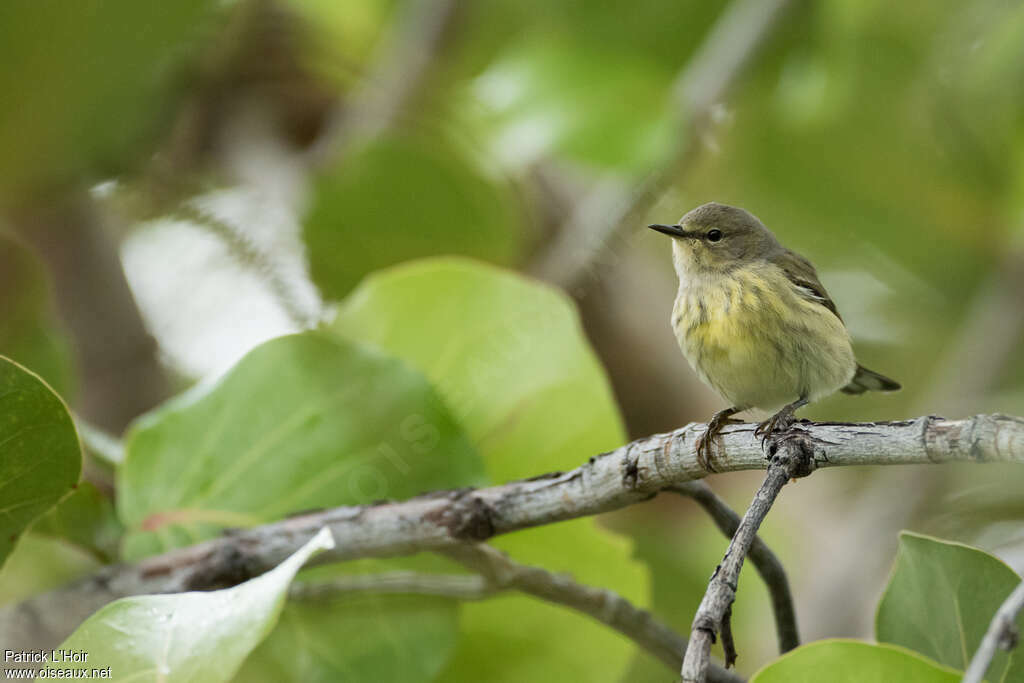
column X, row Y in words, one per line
column 455, row 586
column 767, row 564
column 710, row 73
column 630, row 474
column 605, row 606
column 713, row 615
column 399, row 74
column 1002, row 633
column 495, row 573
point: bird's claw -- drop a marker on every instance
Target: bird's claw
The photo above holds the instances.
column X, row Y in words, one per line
column 777, row 424
column 714, row 429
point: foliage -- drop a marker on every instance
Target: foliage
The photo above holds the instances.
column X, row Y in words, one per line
column 199, row 637
column 939, row 602
column 883, row 140
column 88, row 94
column 39, row 453
column 852, row 661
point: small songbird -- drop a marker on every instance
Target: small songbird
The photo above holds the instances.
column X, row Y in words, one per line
column 755, row 323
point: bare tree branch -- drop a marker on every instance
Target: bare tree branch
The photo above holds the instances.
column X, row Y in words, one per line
column 1002, row 633
column 714, row 68
column 767, row 564
column 715, row 611
column 436, row 521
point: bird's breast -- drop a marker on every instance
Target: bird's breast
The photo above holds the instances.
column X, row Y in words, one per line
column 753, row 339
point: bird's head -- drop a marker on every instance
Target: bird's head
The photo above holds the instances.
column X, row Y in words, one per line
column 718, row 238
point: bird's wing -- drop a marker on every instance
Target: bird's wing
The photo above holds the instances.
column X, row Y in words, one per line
column 805, row 279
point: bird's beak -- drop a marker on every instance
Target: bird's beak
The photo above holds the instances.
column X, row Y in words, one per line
column 670, row 230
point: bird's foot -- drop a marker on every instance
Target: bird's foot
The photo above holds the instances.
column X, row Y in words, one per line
column 778, row 424
column 715, row 425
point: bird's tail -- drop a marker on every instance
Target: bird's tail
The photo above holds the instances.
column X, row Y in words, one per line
column 869, row 380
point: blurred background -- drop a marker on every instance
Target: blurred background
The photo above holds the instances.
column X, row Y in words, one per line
column 180, row 182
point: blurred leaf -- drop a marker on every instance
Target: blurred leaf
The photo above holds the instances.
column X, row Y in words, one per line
column 586, row 104
column 195, row 637
column 850, row 661
column 85, row 518
column 40, row 458
column 404, row 638
column 301, row 422
column 403, row 197
column 508, row 356
column 40, row 563
column 85, row 83
column 380, row 638
column 940, row 600
column 29, row 331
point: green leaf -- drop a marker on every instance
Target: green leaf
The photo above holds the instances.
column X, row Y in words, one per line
column 509, row 357
column 378, row 638
column 940, row 600
column 29, row 331
column 507, row 354
column 40, row 458
column 301, row 422
column 40, row 563
column 850, row 661
column 91, row 81
column 405, row 197
column 404, row 638
column 86, row 518
column 195, row 637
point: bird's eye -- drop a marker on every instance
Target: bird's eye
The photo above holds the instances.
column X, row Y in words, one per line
column 714, row 235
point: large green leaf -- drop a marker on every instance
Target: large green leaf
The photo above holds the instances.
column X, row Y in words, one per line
column 405, row 197
column 40, row 457
column 940, row 600
column 507, row 354
column 304, row 421
column 29, row 331
column 850, row 661
column 510, row 359
column 84, row 83
column 189, row 637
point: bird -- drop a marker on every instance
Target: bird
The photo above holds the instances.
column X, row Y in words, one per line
column 755, row 322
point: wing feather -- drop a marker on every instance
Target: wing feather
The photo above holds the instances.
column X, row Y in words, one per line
column 805, row 280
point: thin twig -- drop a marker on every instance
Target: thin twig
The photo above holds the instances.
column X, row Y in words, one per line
column 766, row 562
column 399, row 74
column 713, row 615
column 456, row 586
column 604, row 605
column 716, row 65
column 1002, row 633
column 630, row 474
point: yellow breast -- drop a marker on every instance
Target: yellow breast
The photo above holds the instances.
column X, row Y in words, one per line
column 752, row 337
